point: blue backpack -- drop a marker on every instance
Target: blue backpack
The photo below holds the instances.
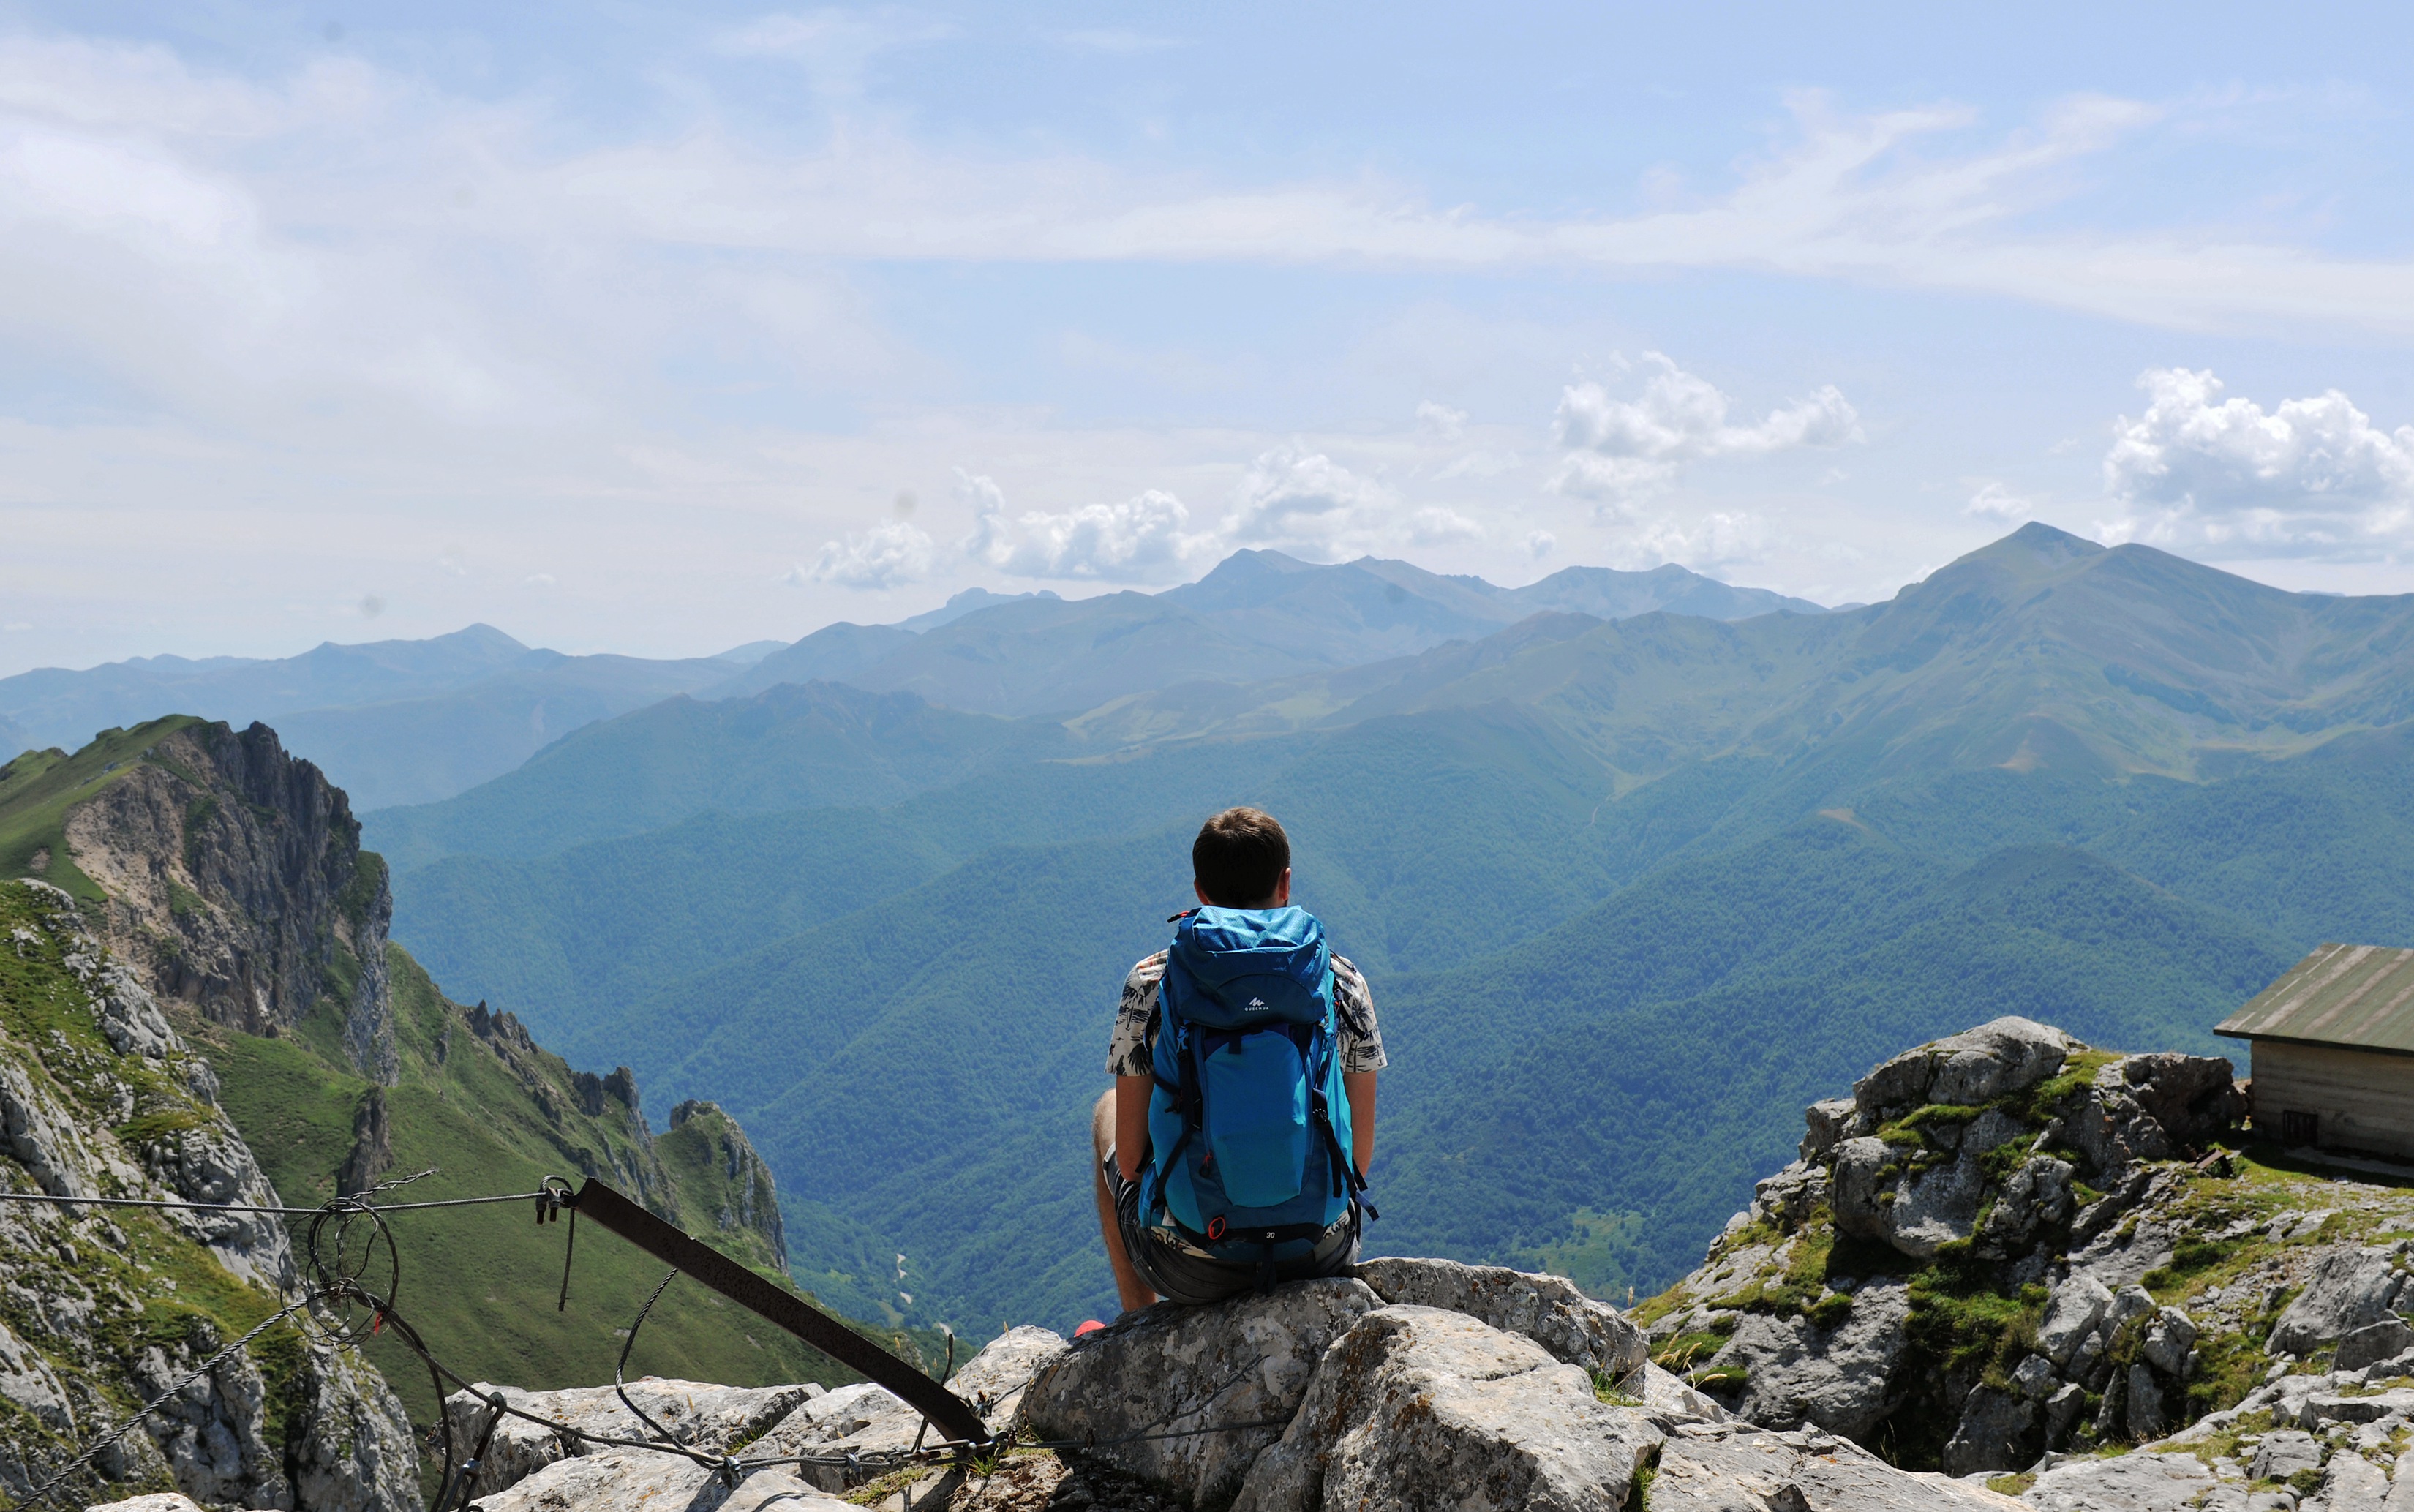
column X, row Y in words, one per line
column 1248, row 1120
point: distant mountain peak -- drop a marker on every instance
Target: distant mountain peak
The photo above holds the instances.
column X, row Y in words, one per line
column 2037, row 533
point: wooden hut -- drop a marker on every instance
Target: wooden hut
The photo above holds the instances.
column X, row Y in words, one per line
column 2333, row 1044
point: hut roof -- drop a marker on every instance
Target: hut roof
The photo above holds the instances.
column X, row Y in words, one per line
column 2357, row 996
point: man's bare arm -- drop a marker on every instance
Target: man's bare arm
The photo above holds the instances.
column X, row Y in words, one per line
column 1131, row 1124
column 1359, row 1086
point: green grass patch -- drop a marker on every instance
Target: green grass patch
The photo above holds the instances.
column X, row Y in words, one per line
column 481, row 1283
column 2037, row 1103
column 38, row 788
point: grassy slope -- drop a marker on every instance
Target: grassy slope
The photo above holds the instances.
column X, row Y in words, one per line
column 38, row 789
column 480, row 1284
column 570, row 941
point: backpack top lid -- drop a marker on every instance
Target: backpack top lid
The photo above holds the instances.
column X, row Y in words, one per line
column 1236, row 968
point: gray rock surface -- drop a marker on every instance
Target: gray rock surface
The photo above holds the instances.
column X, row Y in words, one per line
column 2128, row 1483
column 1935, row 1207
column 1171, row 1368
column 1669, row 1400
column 1829, row 1122
column 770, row 1421
column 2373, row 1343
column 709, row 1418
column 125, row 1107
column 1863, row 1166
column 1746, row 1471
column 1419, row 1407
column 157, row 1502
column 2282, row 1453
column 2349, row 1289
column 1548, row 1309
column 1844, row 1380
column 1999, row 1430
column 1967, row 1069
column 635, row 1480
column 2071, row 1315
column 2354, row 1484
column 2169, row 1340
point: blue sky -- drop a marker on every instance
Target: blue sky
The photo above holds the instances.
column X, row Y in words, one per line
column 657, row 330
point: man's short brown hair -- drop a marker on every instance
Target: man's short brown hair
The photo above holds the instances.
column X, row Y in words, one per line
column 1240, row 857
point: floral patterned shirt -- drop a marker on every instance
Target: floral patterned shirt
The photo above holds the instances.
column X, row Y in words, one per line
column 1129, row 1049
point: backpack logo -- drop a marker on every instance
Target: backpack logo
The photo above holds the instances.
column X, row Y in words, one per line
column 1257, row 1004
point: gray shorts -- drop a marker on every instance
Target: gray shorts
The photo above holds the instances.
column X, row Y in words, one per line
column 1178, row 1274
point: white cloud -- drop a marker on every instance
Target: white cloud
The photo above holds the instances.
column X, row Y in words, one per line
column 1993, row 501
column 1141, row 540
column 539, row 580
column 1295, row 500
column 1851, row 197
column 1441, row 419
column 1619, row 449
column 1541, row 543
column 2311, row 477
column 1715, row 540
column 1439, row 526
column 884, row 556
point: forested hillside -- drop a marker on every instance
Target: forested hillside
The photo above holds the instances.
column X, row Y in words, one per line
column 1631, row 891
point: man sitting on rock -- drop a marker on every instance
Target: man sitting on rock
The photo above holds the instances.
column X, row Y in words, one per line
column 1232, row 1148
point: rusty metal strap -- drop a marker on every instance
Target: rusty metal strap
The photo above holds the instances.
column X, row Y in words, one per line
column 948, row 1413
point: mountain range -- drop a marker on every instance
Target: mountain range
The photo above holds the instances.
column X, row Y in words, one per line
column 1630, row 890
column 415, row 721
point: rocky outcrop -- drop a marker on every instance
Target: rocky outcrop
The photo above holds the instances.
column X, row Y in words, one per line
column 102, row 1309
column 721, row 1182
column 2009, row 1157
column 1322, row 1394
column 236, row 883
column 2009, row 1254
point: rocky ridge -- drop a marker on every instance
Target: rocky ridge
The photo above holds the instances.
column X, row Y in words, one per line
column 1409, row 1384
column 231, row 878
column 2066, row 1273
column 195, row 992
column 103, row 1309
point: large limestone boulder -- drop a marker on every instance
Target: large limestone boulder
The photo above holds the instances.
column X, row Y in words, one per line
column 1169, row 1369
column 1419, row 1407
column 1967, row 1069
column 1844, row 1379
column 158, row 1502
column 1548, row 1309
column 2349, row 1289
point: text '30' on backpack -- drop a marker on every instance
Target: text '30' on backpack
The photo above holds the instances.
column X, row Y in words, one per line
column 1248, row 1123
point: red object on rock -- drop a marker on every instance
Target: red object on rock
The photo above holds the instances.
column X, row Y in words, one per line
column 1093, row 1326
